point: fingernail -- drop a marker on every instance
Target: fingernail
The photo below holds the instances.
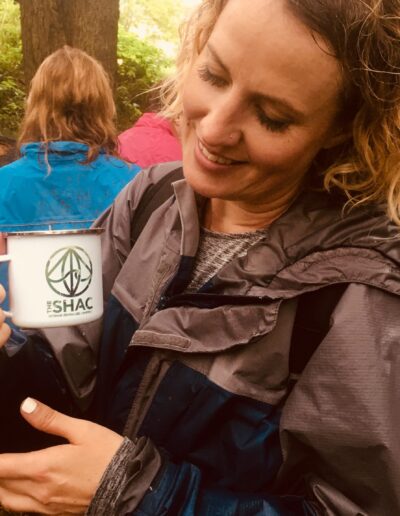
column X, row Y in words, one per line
column 28, row 405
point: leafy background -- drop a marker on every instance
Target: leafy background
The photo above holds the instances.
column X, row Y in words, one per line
column 147, row 41
column 12, row 88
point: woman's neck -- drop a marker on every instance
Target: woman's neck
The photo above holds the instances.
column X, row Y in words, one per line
column 233, row 217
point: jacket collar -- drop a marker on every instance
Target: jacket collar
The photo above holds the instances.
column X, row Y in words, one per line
column 60, row 150
column 313, row 244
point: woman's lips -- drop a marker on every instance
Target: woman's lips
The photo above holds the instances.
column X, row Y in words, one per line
column 214, row 158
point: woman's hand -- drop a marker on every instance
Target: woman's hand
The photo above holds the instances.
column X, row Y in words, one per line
column 5, row 330
column 61, row 479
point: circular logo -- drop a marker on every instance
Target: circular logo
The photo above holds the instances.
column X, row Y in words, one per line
column 69, row 271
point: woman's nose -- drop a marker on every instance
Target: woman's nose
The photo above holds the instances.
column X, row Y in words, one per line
column 221, row 125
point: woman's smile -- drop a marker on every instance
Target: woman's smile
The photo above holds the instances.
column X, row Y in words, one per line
column 250, row 137
column 217, row 158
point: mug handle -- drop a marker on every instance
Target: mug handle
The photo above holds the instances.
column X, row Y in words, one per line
column 6, row 258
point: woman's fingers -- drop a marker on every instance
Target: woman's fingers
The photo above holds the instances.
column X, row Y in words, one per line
column 5, row 330
column 14, row 501
column 48, row 420
column 2, row 293
column 61, row 478
column 3, row 245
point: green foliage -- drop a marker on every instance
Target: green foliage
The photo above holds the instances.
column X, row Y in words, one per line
column 140, row 67
column 12, row 89
column 141, row 64
column 159, row 19
column 146, row 27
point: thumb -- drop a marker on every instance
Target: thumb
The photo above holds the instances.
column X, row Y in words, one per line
column 2, row 244
column 48, row 420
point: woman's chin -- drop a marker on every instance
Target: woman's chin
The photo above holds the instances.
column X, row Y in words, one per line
column 206, row 187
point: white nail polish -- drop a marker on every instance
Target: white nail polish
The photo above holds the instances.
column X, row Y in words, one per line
column 28, row 405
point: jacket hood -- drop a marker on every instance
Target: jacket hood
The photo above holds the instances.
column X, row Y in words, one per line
column 314, row 244
column 66, row 148
column 155, row 121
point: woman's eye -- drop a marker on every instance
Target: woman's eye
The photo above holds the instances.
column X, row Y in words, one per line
column 272, row 124
column 207, row 76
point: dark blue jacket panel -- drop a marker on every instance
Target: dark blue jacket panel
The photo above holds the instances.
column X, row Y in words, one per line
column 216, row 445
column 180, row 491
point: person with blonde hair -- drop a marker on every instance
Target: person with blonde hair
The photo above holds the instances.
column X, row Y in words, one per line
column 69, row 171
column 247, row 360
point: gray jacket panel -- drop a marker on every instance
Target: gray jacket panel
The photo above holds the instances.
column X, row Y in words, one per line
column 342, row 411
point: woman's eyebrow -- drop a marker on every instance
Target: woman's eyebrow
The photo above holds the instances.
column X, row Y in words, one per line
column 215, row 56
column 278, row 102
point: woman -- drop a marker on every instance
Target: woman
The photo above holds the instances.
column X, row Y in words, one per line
column 68, row 145
column 195, row 367
column 152, row 139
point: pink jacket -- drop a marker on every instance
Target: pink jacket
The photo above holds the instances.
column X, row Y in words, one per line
column 151, row 140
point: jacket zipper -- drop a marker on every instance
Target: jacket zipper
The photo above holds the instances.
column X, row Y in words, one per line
column 135, row 418
column 134, row 421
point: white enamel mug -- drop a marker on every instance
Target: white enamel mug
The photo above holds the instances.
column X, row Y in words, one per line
column 55, row 277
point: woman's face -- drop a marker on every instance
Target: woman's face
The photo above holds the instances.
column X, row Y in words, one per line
column 259, row 102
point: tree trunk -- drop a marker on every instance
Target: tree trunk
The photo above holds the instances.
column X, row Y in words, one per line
column 91, row 25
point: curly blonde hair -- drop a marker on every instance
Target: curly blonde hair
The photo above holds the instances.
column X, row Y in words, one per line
column 364, row 36
column 70, row 99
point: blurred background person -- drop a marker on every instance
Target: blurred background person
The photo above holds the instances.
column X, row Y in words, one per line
column 69, row 171
column 152, row 138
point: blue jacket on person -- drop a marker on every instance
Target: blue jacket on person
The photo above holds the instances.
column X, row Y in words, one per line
column 59, row 191
column 62, row 192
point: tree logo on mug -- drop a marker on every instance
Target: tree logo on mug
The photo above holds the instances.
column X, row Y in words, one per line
column 69, row 271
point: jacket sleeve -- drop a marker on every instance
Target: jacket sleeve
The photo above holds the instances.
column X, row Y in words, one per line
column 339, row 432
column 342, row 417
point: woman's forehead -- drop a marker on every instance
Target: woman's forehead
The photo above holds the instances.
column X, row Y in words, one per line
column 271, row 52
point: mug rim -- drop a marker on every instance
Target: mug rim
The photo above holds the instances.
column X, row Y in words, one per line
column 86, row 231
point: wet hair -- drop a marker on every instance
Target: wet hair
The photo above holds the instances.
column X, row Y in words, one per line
column 364, row 36
column 70, row 99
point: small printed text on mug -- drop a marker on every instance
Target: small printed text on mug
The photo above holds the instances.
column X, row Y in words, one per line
column 67, row 307
column 69, row 273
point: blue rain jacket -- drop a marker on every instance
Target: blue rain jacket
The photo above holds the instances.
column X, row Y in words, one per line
column 63, row 194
